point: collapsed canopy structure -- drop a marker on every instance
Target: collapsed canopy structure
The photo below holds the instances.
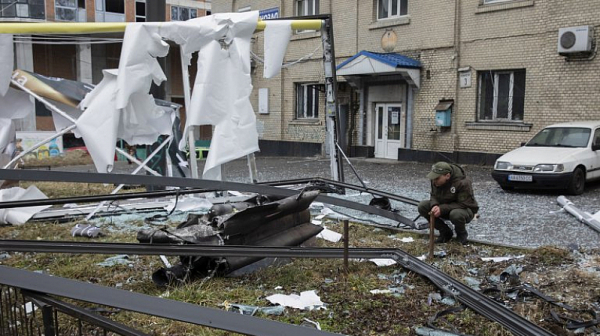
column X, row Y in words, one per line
column 220, row 94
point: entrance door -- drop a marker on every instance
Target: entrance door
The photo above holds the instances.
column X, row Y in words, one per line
column 390, row 130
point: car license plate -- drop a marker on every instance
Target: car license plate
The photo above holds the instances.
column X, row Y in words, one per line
column 520, row 178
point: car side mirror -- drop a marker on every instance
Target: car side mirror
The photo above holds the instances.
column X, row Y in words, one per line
column 523, row 144
column 595, row 147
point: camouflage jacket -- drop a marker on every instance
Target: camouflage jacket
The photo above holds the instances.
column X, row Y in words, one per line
column 457, row 193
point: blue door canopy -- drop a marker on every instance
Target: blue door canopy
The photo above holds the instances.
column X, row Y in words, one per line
column 370, row 63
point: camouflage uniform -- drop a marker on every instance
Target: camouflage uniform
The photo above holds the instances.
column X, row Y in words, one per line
column 456, row 202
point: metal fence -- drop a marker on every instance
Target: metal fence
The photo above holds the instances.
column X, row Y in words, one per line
column 26, row 313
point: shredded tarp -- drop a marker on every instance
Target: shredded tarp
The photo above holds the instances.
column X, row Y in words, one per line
column 18, row 216
column 307, row 300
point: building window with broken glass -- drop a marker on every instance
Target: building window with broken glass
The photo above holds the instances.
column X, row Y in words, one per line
column 179, row 13
column 307, row 101
column 387, row 9
column 24, row 9
column 501, row 95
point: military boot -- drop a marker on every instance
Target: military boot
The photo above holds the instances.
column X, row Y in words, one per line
column 461, row 233
column 445, row 231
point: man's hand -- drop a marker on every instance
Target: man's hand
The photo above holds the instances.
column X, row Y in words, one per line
column 436, row 211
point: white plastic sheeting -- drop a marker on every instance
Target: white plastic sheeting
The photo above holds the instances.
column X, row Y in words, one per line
column 17, row 216
column 221, row 94
column 308, row 300
column 14, row 104
column 140, row 121
column 277, row 37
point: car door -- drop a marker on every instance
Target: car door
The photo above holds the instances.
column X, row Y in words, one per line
column 594, row 169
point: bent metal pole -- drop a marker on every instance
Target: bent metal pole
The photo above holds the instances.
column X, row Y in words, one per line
column 112, row 27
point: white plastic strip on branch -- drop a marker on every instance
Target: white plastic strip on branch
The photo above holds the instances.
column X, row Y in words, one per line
column 582, row 216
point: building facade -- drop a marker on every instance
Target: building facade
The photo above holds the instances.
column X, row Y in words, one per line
column 465, row 80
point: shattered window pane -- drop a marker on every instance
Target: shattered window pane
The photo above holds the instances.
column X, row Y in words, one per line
column 65, row 14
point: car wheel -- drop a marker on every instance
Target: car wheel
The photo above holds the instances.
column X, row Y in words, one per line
column 577, row 182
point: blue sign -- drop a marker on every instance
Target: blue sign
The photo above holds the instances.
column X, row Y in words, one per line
column 271, row 13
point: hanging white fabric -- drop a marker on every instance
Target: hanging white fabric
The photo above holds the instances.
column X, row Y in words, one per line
column 221, row 93
column 277, row 38
column 102, row 123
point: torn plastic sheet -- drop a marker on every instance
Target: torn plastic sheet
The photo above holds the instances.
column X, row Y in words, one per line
column 18, row 216
column 499, row 259
column 277, row 34
column 121, row 259
column 383, row 262
column 395, row 291
column 330, row 235
column 424, row 331
column 307, row 300
column 139, row 121
column 189, row 204
column 252, row 310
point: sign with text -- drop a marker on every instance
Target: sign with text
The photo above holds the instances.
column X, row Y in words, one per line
column 271, row 13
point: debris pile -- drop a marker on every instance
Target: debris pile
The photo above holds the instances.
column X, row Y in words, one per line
column 259, row 221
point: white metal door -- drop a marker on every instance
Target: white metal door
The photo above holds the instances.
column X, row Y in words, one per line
column 390, row 130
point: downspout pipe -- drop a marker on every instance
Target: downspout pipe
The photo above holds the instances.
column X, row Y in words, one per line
column 457, row 26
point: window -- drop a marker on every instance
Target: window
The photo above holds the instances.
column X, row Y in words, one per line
column 66, row 10
column 307, row 101
column 179, row 13
column 140, row 11
column 28, row 9
column 307, row 7
column 387, row 9
column 501, row 95
column 115, row 6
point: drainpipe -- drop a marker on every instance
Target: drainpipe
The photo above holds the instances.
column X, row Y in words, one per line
column 457, row 26
column 282, row 89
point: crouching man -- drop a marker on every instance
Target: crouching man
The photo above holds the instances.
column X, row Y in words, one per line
column 451, row 198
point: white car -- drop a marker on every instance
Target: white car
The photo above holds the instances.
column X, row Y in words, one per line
column 561, row 156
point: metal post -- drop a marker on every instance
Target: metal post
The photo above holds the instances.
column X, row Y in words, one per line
column 431, row 234
column 48, row 318
column 252, row 168
column 332, row 113
column 346, row 239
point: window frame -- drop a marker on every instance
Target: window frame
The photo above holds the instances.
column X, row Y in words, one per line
column 489, row 2
column 73, row 8
column 302, row 101
column 390, row 4
column 178, row 10
column 511, row 113
column 138, row 17
column 305, row 6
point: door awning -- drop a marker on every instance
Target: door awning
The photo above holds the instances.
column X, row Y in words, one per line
column 372, row 63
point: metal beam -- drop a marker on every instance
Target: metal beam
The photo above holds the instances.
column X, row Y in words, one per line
column 56, row 176
column 464, row 294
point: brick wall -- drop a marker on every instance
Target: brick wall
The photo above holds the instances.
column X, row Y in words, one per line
column 519, row 34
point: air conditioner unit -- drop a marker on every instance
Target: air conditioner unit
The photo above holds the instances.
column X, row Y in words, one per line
column 575, row 39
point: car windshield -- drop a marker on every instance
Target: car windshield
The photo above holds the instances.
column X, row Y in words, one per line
column 561, row 137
